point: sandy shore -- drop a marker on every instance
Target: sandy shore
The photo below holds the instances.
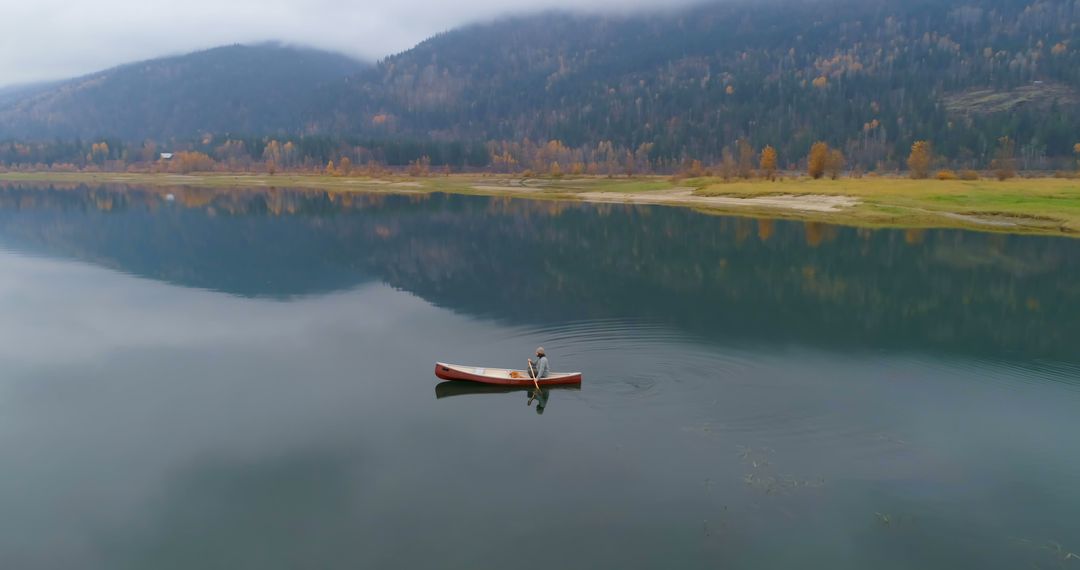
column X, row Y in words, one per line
column 686, row 196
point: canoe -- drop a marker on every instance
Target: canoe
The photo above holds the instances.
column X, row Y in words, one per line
column 502, row 376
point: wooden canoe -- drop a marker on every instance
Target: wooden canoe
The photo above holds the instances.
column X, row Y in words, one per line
column 502, row 376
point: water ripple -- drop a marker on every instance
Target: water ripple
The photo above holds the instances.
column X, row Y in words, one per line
column 627, row 361
column 997, row 372
column 804, row 398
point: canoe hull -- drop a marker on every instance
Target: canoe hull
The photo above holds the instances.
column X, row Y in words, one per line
column 501, row 376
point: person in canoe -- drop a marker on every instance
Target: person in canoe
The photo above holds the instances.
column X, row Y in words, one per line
column 540, row 368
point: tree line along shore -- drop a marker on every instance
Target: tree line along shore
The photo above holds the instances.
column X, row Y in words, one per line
column 321, row 155
column 929, row 191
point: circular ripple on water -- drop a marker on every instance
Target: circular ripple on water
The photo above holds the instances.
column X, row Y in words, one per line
column 631, row 359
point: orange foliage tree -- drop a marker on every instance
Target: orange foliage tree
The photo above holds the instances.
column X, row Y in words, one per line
column 768, row 162
column 99, row 153
column 815, row 162
column 187, row 162
column 919, row 160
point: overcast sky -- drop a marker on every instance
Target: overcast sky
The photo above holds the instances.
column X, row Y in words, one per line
column 53, row 39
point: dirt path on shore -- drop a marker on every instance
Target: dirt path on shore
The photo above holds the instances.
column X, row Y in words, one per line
column 686, row 196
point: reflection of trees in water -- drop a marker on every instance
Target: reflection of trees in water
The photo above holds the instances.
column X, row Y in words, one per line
column 818, row 233
column 765, row 229
column 546, row 261
column 237, row 201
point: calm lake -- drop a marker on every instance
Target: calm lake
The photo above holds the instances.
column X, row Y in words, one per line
column 244, row 379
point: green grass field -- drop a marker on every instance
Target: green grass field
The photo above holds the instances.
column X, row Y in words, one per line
column 1031, row 205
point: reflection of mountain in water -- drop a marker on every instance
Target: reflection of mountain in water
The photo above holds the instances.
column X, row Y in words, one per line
column 543, row 262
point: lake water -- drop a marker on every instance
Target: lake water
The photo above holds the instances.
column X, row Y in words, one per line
column 244, row 379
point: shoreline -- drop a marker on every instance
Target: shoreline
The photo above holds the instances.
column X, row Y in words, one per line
column 1039, row 206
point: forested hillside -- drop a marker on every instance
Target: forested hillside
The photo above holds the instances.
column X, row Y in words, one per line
column 235, row 89
column 635, row 92
column 869, row 76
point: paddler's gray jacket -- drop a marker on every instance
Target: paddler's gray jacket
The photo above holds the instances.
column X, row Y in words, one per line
column 542, row 367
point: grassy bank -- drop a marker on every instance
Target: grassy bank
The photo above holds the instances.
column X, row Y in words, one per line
column 1038, row 205
column 1033, row 205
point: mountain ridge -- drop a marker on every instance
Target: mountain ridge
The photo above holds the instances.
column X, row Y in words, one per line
column 227, row 88
column 868, row 77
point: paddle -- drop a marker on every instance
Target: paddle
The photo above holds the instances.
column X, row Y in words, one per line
column 533, row 374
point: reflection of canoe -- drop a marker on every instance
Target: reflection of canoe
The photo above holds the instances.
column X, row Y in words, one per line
column 460, row 388
column 502, row 376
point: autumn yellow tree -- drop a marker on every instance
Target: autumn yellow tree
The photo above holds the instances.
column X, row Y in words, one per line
column 289, row 155
column 186, row 162
column 834, row 163
column 1076, row 150
column 768, row 162
column 606, row 155
column 504, row 161
column 99, row 152
column 815, row 162
column 272, row 152
column 692, row 168
column 919, row 160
